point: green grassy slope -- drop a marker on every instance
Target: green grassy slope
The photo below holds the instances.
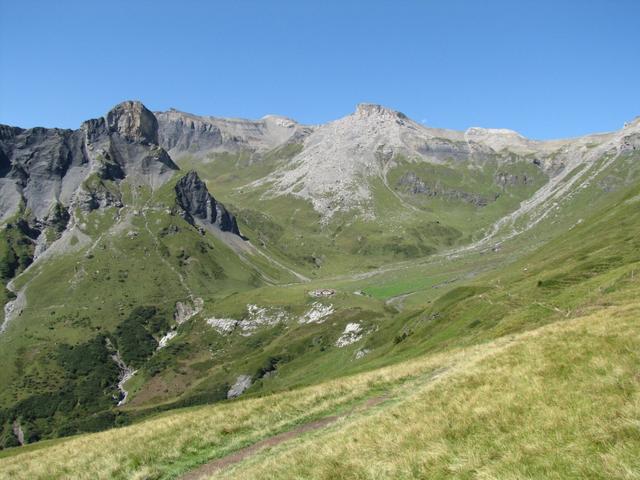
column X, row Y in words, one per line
column 406, row 225
column 118, row 260
column 560, row 403
column 584, row 269
column 584, row 284
column 556, row 402
column 125, row 269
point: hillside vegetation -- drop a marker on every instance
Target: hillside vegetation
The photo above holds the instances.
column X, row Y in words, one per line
column 369, row 298
column 488, row 401
column 557, row 402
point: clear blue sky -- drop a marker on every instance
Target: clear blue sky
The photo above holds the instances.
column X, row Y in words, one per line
column 545, row 68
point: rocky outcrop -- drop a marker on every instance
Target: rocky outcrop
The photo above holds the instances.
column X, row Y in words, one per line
column 443, row 149
column 133, row 122
column 414, row 185
column 186, row 310
column 43, row 168
column 183, row 312
column 196, row 203
column 125, row 144
column 243, row 382
column 18, row 432
column 505, row 179
column 96, row 196
column 181, row 132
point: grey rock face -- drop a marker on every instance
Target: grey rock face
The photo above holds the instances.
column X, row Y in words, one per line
column 413, row 184
column 196, row 202
column 44, row 168
column 243, row 382
column 95, row 197
column 180, row 132
column 509, row 179
column 442, row 149
column 183, row 134
column 631, row 142
column 134, row 122
column 41, row 164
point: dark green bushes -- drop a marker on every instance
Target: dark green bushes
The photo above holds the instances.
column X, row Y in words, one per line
column 16, row 248
column 134, row 337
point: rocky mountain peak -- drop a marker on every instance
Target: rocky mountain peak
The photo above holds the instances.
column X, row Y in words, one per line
column 339, row 155
column 197, row 204
column 133, row 121
column 633, row 124
column 44, row 167
column 501, row 132
column 375, row 110
column 280, row 121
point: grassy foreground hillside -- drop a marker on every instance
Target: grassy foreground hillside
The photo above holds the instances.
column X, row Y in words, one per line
column 562, row 401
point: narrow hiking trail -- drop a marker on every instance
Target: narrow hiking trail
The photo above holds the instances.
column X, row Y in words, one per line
column 219, row 464
column 414, row 384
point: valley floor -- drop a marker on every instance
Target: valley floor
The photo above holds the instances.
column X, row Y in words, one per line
column 561, row 401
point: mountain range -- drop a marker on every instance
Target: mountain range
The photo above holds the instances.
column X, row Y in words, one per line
column 158, row 260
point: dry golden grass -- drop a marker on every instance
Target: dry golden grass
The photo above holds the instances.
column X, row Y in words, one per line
column 558, row 402
column 177, row 441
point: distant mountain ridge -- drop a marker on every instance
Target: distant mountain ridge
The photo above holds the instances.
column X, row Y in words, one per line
column 337, row 158
column 157, row 260
column 48, row 169
column 183, row 132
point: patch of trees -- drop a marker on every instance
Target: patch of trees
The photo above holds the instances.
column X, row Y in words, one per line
column 134, row 337
column 16, row 248
column 91, row 371
column 270, row 365
column 81, row 404
column 85, row 400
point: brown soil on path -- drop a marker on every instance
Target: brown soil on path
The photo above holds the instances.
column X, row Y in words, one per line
column 221, row 463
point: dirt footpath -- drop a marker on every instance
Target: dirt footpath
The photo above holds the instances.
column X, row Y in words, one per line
column 221, row 463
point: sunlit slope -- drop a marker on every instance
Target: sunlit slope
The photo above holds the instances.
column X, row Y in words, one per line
column 557, row 402
column 492, row 409
column 85, row 288
column 402, row 223
column 474, row 297
column 590, row 266
column 375, row 188
column 451, row 239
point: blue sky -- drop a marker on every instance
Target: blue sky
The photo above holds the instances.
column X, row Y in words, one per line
column 545, row 68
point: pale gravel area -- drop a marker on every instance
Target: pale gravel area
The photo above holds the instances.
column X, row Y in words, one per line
column 261, row 317
column 318, row 313
column 351, row 334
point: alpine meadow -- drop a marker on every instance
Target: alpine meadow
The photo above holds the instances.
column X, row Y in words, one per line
column 370, row 297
